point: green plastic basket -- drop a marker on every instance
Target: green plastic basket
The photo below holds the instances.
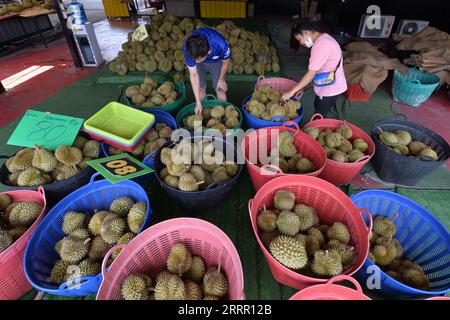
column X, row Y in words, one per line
column 413, row 87
column 171, row 108
column 210, row 101
column 119, row 123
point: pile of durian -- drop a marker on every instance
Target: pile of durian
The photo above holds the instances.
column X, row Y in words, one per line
column 32, row 167
column 155, row 139
column 288, row 158
column 151, row 95
column 15, row 7
column 187, row 277
column 217, row 118
column 163, row 49
column 266, row 104
column 182, row 173
column 387, row 253
column 88, row 237
column 339, row 144
column 295, row 237
column 15, row 219
column 400, row 141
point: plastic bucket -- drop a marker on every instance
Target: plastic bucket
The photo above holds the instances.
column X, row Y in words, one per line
column 425, row 241
column 40, row 255
column 255, row 141
column 331, row 205
column 393, row 167
column 148, row 252
column 332, row 291
column 338, row 172
column 214, row 194
column 13, row 282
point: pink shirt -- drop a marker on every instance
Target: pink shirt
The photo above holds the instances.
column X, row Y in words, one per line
column 325, row 56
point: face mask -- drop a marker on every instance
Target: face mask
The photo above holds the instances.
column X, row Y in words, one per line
column 309, row 43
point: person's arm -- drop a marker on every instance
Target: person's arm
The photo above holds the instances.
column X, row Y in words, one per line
column 222, row 84
column 305, row 81
column 195, row 83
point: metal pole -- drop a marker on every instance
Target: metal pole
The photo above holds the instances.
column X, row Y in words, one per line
column 68, row 35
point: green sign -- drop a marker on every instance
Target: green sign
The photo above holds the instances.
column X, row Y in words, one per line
column 120, row 167
column 46, row 130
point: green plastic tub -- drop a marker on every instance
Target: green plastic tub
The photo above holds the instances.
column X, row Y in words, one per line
column 171, row 108
column 209, row 102
column 118, row 123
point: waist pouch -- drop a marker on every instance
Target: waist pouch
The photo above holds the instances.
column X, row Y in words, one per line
column 326, row 78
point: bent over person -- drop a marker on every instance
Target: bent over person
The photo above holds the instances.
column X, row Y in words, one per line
column 206, row 50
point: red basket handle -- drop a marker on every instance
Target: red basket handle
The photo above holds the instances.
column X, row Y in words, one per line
column 369, row 217
column 260, row 78
column 250, row 205
column 291, row 123
column 316, row 116
column 271, row 167
column 344, row 277
column 108, row 254
column 362, row 159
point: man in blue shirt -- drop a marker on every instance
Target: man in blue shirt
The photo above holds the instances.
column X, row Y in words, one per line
column 206, row 50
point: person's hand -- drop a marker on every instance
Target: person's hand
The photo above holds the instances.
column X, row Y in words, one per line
column 198, row 108
column 287, row 96
column 222, row 86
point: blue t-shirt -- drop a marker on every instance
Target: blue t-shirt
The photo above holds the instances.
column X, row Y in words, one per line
column 217, row 43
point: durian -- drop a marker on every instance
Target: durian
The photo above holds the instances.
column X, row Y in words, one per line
column 170, row 287
column 125, row 239
column 404, row 138
column 304, row 165
column 345, row 131
column 307, row 216
column 112, row 229
column 197, row 269
column 339, row 231
column 5, row 240
column 122, row 205
column 59, row 271
column 21, row 161
column 215, row 283
column 415, row 147
column 5, row 201
column 95, row 224
column 384, row 227
column 136, row 216
column 384, row 253
column 428, row 154
column 98, row 248
column 25, row 213
column 179, row 260
column 188, row 183
column 288, row 223
column 85, row 268
column 284, row 200
column 289, row 252
column 327, row 263
column 69, row 156
column 416, row 279
column 31, row 177
column 193, row 290
column 134, row 287
column 360, row 145
column 91, row 149
column 73, row 221
column 17, row 232
column 73, row 249
column 44, row 160
column 267, row 221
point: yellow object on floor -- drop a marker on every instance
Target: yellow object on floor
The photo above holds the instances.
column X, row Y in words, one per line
column 223, row 9
column 115, row 8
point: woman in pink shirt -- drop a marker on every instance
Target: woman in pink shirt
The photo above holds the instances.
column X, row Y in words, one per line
column 325, row 68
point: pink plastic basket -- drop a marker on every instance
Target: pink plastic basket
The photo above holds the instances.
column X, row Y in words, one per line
column 332, row 291
column 13, row 282
column 148, row 253
column 306, row 145
column 281, row 84
column 337, row 172
column 331, row 205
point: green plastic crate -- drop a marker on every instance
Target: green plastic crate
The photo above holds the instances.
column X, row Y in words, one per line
column 209, row 102
column 120, row 123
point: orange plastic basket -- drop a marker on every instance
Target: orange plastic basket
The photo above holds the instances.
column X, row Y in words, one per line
column 332, row 291
column 338, row 172
column 13, row 282
column 331, row 205
column 255, row 141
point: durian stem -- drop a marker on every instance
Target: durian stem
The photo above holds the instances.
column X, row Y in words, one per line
column 200, row 182
column 380, row 130
column 394, row 217
column 40, row 295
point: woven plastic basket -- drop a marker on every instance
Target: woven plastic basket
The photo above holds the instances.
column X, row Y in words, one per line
column 331, row 205
column 261, row 141
column 332, row 291
column 148, row 253
column 13, row 282
column 338, row 172
column 424, row 239
column 40, row 255
column 414, row 87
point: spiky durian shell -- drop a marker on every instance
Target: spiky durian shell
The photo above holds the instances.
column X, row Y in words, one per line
column 327, row 264
column 134, row 287
column 73, row 221
column 5, row 240
column 267, row 220
column 316, row 233
column 179, row 260
column 170, row 287
column 284, row 200
column 73, row 249
column 384, row 227
column 125, row 239
column 136, row 216
column 288, row 223
column 91, row 149
column 95, row 224
column 98, row 248
column 122, row 205
column 193, row 290
column 112, row 229
column 25, row 213
column 197, row 269
column 17, row 232
column 81, row 233
column 86, row 267
column 44, row 160
column 69, row 156
column 307, row 216
column 289, row 251
column 215, row 283
column 58, row 274
column 339, row 231
column 5, row 201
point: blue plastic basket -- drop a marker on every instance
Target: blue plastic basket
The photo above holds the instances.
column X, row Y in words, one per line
column 413, row 87
column 256, row 123
column 423, row 237
column 160, row 117
column 40, row 255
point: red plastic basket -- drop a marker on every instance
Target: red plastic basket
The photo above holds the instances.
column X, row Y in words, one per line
column 148, row 253
column 253, row 142
column 13, row 282
column 281, row 84
column 356, row 93
column 331, row 291
column 331, row 205
column 338, row 172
